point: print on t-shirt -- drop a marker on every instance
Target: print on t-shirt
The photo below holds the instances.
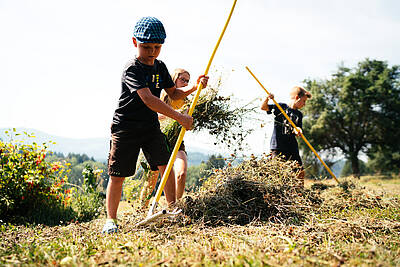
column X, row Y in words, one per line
column 287, row 126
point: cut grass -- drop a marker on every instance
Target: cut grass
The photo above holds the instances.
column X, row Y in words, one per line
column 353, row 228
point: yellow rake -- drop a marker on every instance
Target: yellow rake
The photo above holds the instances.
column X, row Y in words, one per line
column 151, row 216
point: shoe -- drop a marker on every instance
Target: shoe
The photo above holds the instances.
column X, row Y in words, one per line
column 110, row 227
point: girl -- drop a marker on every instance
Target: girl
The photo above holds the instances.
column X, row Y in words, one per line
column 181, row 79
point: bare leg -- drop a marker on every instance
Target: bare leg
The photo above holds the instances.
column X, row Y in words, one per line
column 180, row 168
column 114, row 190
column 169, row 188
column 148, row 187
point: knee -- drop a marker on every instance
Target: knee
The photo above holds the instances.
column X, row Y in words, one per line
column 116, row 181
column 180, row 175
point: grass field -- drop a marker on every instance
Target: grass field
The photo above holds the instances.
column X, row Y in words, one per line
column 357, row 227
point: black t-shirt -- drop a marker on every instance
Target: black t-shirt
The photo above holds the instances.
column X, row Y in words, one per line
column 132, row 113
column 283, row 137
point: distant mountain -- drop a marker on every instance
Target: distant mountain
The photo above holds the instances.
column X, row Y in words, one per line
column 196, row 158
column 93, row 147
column 97, row 148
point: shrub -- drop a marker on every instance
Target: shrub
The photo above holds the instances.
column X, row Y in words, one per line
column 32, row 188
column 35, row 190
column 88, row 201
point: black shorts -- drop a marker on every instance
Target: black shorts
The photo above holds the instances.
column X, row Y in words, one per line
column 288, row 155
column 125, row 147
column 182, row 148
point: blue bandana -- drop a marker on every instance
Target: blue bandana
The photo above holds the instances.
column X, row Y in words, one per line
column 149, row 30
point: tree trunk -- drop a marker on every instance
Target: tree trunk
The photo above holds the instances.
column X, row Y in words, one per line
column 355, row 165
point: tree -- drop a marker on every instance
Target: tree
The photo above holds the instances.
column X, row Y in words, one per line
column 347, row 170
column 195, row 175
column 355, row 111
column 198, row 174
column 386, row 158
column 215, row 162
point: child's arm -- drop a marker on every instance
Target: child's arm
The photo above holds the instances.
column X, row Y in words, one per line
column 161, row 116
column 180, row 93
column 155, row 104
column 264, row 105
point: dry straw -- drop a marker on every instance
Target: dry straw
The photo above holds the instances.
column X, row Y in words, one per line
column 263, row 189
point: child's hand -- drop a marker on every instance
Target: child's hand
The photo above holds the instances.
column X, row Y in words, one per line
column 270, row 96
column 186, row 121
column 298, row 131
column 203, row 79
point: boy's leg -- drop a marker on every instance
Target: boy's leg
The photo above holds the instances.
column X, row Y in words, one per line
column 169, row 188
column 124, row 150
column 113, row 196
column 180, row 168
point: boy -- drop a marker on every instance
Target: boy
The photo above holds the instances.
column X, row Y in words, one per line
column 135, row 123
column 283, row 140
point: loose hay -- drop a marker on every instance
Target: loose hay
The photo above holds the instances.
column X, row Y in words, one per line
column 266, row 190
column 256, row 190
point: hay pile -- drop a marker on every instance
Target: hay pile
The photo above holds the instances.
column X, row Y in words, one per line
column 266, row 190
column 263, row 189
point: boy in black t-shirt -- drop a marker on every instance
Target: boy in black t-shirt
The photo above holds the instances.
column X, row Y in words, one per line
column 283, row 140
column 135, row 122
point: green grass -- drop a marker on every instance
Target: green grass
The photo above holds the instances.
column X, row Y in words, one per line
column 350, row 229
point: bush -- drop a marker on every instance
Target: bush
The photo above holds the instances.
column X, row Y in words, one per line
column 88, row 201
column 32, row 188
column 35, row 190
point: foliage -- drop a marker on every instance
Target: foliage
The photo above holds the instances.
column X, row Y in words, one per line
column 219, row 116
column 77, row 164
column 132, row 188
column 30, row 186
column 196, row 175
column 357, row 110
column 34, row 189
column 347, row 171
column 385, row 158
column 88, row 200
column 215, row 162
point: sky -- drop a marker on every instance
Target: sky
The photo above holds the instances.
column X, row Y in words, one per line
column 61, row 61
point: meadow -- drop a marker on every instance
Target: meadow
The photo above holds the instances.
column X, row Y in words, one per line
column 357, row 225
